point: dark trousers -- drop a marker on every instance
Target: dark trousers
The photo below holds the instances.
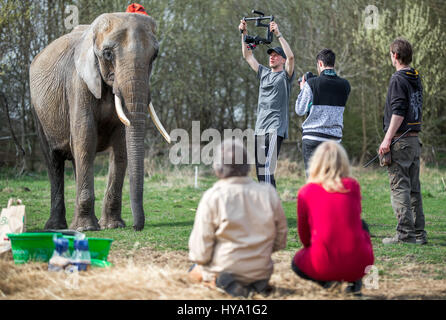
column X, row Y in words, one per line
column 405, row 189
column 267, row 148
column 308, row 147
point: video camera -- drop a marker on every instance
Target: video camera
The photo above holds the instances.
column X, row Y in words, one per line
column 306, row 76
column 256, row 40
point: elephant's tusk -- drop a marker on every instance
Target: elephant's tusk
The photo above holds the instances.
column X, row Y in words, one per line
column 120, row 113
column 158, row 124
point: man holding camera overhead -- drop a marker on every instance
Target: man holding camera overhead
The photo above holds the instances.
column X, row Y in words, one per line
column 322, row 99
column 274, row 96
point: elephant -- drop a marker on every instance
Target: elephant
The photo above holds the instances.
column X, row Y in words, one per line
column 90, row 93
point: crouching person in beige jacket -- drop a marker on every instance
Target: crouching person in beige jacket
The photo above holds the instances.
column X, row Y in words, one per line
column 238, row 225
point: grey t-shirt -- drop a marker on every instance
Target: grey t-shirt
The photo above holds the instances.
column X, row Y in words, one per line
column 274, row 98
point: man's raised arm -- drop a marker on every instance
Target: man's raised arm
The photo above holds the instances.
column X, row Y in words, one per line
column 247, row 54
column 289, row 64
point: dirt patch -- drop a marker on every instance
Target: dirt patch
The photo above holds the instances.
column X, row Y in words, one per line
column 149, row 274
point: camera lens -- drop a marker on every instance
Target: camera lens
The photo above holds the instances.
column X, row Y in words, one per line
column 249, row 39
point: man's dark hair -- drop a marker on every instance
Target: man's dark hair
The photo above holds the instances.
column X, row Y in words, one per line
column 403, row 49
column 327, row 56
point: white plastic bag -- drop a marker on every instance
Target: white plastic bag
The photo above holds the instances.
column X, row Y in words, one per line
column 12, row 220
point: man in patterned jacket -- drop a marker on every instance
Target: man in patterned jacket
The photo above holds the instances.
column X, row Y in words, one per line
column 322, row 99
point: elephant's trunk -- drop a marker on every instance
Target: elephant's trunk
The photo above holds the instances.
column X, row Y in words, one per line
column 135, row 97
column 156, row 121
column 135, row 158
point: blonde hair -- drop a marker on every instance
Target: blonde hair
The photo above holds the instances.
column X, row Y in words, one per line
column 328, row 165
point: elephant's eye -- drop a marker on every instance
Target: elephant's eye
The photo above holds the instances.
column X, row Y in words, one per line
column 108, row 55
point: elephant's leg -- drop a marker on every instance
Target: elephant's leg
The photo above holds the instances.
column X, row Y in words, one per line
column 111, row 208
column 55, row 165
column 84, row 145
column 57, row 218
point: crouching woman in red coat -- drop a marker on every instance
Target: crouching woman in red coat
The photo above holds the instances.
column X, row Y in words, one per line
column 336, row 241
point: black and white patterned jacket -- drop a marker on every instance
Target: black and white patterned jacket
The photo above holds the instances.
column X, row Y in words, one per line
column 323, row 100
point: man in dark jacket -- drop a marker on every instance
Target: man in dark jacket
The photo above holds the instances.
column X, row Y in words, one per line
column 403, row 111
column 322, row 99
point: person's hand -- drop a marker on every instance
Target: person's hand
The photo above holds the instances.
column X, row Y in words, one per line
column 385, row 146
column 242, row 26
column 274, row 28
column 302, row 82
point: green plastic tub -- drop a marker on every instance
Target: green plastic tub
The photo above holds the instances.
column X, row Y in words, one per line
column 38, row 246
column 32, row 246
column 100, row 263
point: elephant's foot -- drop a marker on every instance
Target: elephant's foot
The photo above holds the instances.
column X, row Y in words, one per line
column 85, row 223
column 111, row 223
column 138, row 226
column 56, row 223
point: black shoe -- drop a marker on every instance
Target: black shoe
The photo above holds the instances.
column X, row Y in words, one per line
column 328, row 284
column 261, row 286
column 421, row 241
column 354, row 288
column 396, row 240
column 331, row 285
column 227, row 282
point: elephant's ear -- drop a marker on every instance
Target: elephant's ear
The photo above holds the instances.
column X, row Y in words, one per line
column 87, row 64
column 153, row 26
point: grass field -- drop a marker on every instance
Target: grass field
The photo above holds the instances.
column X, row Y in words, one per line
column 171, row 200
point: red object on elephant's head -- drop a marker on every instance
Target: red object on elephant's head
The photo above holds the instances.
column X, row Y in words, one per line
column 136, row 8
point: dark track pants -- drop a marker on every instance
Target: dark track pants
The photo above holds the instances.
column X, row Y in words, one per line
column 308, row 148
column 267, row 148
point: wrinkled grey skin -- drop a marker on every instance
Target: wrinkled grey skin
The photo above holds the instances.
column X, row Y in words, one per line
column 73, row 82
